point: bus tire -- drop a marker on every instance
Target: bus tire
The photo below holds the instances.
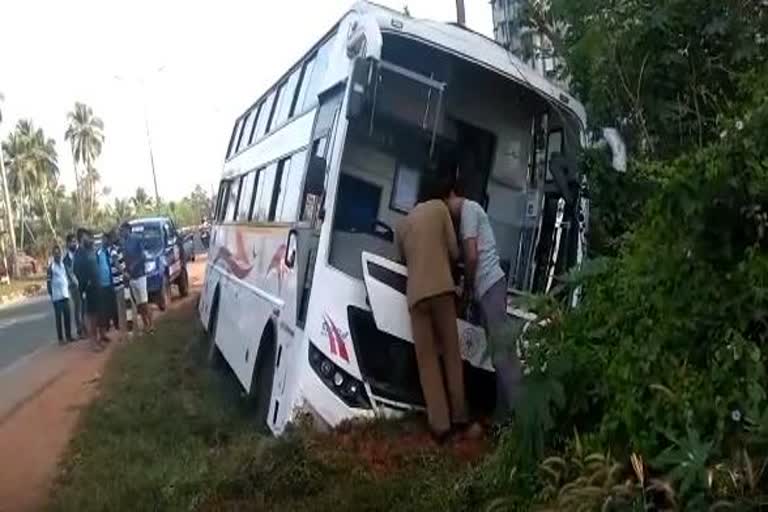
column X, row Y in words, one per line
column 215, row 358
column 164, row 297
column 183, row 282
column 263, row 375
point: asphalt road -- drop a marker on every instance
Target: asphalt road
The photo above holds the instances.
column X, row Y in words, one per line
column 25, row 327
column 28, row 325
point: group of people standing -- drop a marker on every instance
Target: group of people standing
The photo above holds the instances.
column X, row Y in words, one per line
column 89, row 281
column 428, row 245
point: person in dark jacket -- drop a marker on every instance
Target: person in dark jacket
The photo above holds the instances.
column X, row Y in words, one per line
column 87, row 272
column 75, row 298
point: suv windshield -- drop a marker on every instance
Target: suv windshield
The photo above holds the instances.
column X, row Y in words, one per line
column 151, row 236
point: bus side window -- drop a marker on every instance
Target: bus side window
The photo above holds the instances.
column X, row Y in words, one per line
column 246, row 191
column 265, row 191
column 233, row 139
column 234, row 193
column 290, row 193
column 277, row 190
column 221, row 204
column 310, row 200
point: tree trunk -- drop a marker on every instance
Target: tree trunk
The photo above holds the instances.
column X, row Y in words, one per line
column 78, row 194
column 13, row 271
column 46, row 212
column 21, row 223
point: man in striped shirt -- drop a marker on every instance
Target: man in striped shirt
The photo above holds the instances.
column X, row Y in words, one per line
column 117, row 261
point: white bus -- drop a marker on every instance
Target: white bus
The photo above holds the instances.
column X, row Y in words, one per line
column 302, row 296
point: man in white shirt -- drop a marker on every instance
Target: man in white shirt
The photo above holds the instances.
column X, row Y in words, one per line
column 58, row 290
column 486, row 284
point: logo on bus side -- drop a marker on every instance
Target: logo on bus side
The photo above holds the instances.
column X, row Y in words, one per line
column 238, row 263
column 336, row 338
column 278, row 266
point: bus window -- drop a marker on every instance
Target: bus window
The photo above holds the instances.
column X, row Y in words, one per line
column 252, row 132
column 234, row 192
column 275, row 103
column 306, row 74
column 221, row 204
column 318, row 73
column 242, row 139
column 286, row 98
column 266, row 108
column 279, row 186
column 254, row 193
column 264, row 199
column 291, row 190
column 233, row 138
column 246, row 191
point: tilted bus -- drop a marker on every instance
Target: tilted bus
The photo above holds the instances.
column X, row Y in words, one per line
column 303, row 297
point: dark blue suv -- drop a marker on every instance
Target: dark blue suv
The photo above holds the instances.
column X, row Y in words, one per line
column 166, row 259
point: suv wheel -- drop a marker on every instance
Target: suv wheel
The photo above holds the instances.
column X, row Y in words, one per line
column 165, row 295
column 183, row 282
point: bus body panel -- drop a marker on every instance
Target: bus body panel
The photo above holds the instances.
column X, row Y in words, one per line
column 255, row 286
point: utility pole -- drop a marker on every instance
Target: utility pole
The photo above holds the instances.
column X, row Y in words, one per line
column 151, row 155
column 461, row 15
column 140, row 81
column 13, row 271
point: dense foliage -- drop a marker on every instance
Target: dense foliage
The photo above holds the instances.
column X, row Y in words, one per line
column 652, row 393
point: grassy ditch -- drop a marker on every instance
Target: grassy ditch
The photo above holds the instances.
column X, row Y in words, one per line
column 169, row 433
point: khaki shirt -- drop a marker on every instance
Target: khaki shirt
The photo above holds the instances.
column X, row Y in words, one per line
column 426, row 242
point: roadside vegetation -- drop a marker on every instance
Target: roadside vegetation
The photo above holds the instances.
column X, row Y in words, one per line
column 170, row 433
column 652, row 394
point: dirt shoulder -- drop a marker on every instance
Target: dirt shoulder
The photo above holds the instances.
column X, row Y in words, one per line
column 35, row 432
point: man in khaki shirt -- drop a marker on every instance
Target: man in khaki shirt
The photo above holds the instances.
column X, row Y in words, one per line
column 427, row 244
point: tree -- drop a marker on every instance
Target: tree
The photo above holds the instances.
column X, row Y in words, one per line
column 86, row 136
column 33, row 170
column 122, row 210
column 666, row 73
column 8, row 208
column 141, row 201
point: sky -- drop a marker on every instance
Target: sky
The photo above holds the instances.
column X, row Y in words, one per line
column 191, row 66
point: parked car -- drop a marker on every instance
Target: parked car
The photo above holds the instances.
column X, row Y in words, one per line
column 166, row 258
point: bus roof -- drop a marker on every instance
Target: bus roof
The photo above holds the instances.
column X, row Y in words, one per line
column 474, row 47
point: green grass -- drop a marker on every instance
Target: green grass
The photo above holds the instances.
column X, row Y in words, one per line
column 168, row 433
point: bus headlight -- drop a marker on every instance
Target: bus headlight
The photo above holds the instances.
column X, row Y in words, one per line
column 349, row 389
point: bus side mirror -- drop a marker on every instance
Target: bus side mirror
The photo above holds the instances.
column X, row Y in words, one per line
column 315, row 176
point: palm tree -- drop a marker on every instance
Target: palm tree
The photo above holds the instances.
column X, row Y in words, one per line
column 86, row 136
column 141, row 200
column 122, row 210
column 13, row 271
column 33, row 169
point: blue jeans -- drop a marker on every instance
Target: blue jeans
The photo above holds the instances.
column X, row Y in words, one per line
column 61, row 310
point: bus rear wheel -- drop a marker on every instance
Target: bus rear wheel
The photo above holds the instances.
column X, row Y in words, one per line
column 261, row 382
column 215, row 358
